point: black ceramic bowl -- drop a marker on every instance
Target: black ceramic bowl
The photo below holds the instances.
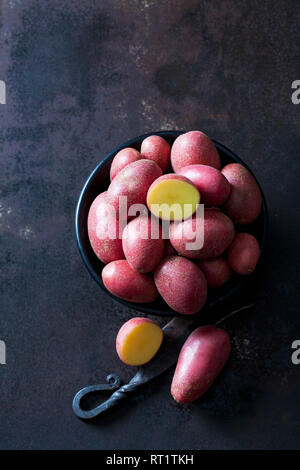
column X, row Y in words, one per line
column 99, row 180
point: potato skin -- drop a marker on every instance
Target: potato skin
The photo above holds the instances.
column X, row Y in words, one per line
column 244, row 202
column 212, row 185
column 141, row 251
column 218, row 235
column 216, row 270
column 244, row 253
column 181, row 284
column 169, row 249
column 103, row 230
column 134, row 181
column 169, row 176
column 200, row 361
column 123, row 158
column 124, row 282
column 194, row 147
column 157, row 149
column 101, row 204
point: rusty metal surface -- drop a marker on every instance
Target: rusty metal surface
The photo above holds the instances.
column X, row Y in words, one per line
column 81, row 78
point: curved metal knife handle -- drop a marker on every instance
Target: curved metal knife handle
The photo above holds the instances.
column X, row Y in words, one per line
column 112, row 383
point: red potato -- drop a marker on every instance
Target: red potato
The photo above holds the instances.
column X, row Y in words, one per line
column 138, row 341
column 124, row 282
column 244, row 253
column 103, row 230
column 101, row 205
column 122, row 159
column 143, row 249
column 200, row 361
column 212, row 185
column 244, row 202
column 194, row 148
column 181, row 284
column 218, row 233
column 133, row 182
column 157, row 149
column 212, row 209
column 216, row 270
column 172, row 197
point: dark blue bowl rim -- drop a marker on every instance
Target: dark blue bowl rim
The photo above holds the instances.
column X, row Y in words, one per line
column 148, row 308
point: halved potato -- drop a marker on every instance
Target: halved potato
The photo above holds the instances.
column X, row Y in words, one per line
column 173, row 197
column 138, row 341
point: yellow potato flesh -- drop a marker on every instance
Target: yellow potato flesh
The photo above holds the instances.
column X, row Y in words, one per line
column 173, row 200
column 141, row 344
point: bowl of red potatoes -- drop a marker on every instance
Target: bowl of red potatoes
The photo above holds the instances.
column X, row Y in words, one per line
column 142, row 274
column 166, row 176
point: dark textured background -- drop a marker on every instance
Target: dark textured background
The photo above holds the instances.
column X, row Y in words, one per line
column 82, row 77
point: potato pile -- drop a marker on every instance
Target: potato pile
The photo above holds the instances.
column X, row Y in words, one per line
column 167, row 185
column 146, row 258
